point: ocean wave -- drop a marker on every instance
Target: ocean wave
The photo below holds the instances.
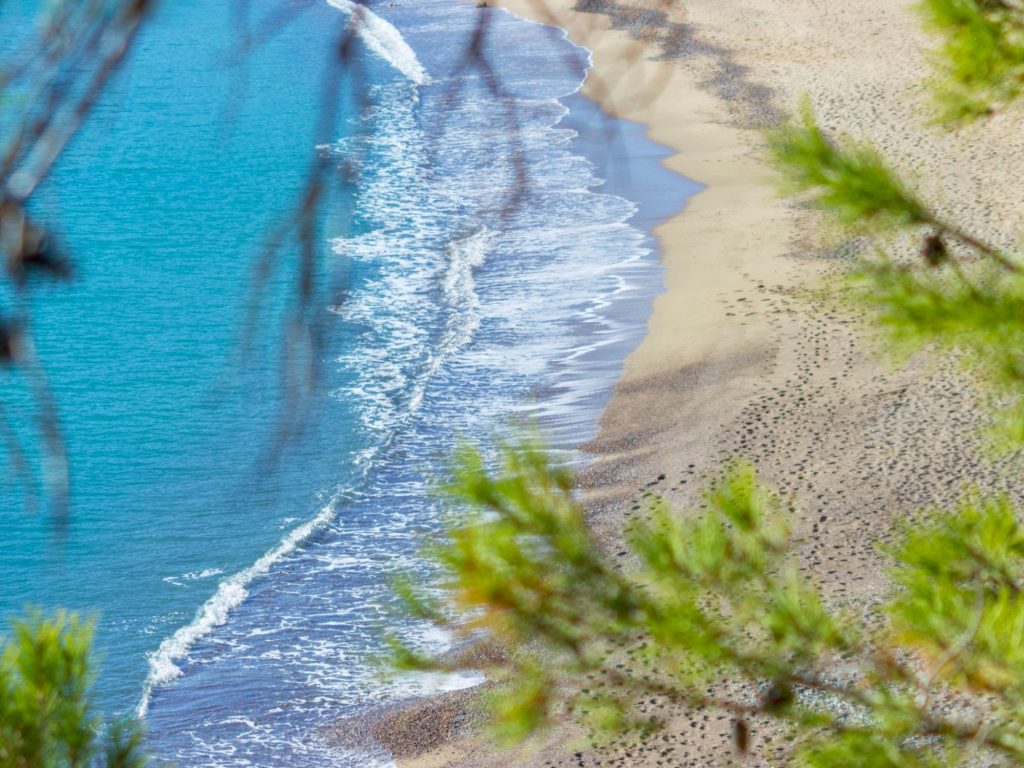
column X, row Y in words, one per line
column 392, row 382
column 382, row 38
column 462, row 304
column 214, row 612
column 460, row 299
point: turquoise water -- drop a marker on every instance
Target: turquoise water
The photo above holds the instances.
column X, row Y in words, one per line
column 240, row 594
column 164, row 199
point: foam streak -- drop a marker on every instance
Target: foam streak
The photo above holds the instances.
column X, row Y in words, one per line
column 382, row 38
column 214, row 612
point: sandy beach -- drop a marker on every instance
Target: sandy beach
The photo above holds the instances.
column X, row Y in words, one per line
column 738, row 359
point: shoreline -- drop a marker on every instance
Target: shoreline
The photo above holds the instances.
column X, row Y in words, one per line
column 716, row 173
column 613, row 323
column 738, row 360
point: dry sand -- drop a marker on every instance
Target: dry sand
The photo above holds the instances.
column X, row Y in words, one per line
column 737, row 360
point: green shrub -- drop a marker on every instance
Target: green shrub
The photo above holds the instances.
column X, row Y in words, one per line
column 47, row 719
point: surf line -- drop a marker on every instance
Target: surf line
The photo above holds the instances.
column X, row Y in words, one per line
column 384, row 39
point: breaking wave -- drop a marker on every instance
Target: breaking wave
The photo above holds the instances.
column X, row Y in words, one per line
column 382, row 38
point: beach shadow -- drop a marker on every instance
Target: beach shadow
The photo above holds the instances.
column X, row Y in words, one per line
column 752, row 103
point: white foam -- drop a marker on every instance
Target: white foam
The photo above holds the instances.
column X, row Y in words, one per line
column 214, row 612
column 563, row 35
column 206, row 573
column 458, row 286
column 433, row 683
column 384, row 39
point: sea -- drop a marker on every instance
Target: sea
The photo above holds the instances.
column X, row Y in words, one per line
column 488, row 249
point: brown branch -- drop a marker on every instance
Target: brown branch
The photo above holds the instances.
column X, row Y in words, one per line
column 975, row 243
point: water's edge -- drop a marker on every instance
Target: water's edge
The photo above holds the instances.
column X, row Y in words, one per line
column 287, row 633
column 632, row 167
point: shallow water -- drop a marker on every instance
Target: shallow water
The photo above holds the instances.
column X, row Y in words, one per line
column 241, row 609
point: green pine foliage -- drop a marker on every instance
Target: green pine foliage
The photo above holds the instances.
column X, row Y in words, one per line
column 952, row 292
column 852, row 182
column 47, row 719
column 710, row 611
column 972, row 310
column 980, row 63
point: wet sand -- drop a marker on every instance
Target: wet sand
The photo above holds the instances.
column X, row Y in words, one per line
column 738, row 360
